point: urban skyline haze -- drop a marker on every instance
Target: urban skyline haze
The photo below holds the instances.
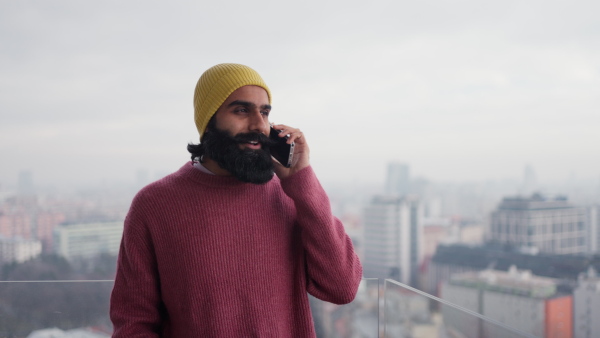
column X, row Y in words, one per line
column 94, row 92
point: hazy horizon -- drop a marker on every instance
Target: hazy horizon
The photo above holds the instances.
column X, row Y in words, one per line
column 468, row 91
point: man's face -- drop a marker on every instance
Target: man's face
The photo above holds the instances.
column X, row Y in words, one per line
column 246, row 110
column 236, row 139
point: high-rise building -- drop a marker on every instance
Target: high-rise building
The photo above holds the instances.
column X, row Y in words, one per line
column 550, row 226
column 586, row 297
column 88, row 240
column 518, row 299
column 529, row 184
column 392, row 238
column 397, row 179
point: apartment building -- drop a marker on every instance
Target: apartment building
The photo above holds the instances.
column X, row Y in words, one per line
column 547, row 225
column 392, row 238
column 586, row 297
column 88, row 240
column 518, row 299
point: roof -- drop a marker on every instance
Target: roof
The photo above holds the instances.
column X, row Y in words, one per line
column 501, row 257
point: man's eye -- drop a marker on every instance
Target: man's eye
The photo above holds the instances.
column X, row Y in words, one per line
column 241, row 110
column 265, row 113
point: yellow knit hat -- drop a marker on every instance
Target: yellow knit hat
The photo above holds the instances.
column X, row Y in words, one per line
column 215, row 86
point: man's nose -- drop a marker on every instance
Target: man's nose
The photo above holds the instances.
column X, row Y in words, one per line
column 258, row 122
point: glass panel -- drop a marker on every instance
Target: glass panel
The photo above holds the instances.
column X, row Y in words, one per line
column 357, row 319
column 412, row 313
column 81, row 308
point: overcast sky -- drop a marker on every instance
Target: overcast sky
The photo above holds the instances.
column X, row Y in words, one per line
column 459, row 90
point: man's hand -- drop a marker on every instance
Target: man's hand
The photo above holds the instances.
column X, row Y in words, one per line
column 300, row 160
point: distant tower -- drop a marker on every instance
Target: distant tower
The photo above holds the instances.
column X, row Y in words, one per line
column 25, row 183
column 397, row 179
column 529, row 181
column 392, row 238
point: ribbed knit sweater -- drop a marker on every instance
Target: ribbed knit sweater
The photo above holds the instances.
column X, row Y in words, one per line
column 210, row 256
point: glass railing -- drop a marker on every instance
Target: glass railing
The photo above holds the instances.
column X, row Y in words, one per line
column 409, row 312
column 43, row 309
column 382, row 308
column 359, row 318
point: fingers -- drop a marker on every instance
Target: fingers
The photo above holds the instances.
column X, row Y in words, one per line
column 301, row 157
column 295, row 135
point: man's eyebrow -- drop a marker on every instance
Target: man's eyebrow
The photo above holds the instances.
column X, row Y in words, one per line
column 247, row 104
column 241, row 103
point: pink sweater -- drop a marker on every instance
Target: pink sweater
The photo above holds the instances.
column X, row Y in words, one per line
column 210, row 256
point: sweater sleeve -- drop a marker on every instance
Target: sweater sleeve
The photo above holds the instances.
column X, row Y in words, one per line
column 333, row 268
column 135, row 305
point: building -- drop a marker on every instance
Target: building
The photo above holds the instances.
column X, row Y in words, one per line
column 593, row 222
column 433, row 235
column 408, row 314
column 550, row 226
column 18, row 249
column 15, row 224
column 43, row 225
column 586, row 297
column 22, row 216
column 88, row 240
column 470, row 233
column 518, row 299
column 392, row 238
column 397, row 179
column 450, row 259
column 529, row 184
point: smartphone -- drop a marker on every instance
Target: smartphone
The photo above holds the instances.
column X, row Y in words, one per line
column 281, row 151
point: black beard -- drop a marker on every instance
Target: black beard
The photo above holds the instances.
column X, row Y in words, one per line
column 247, row 165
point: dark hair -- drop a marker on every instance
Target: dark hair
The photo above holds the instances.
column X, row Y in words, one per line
column 197, row 150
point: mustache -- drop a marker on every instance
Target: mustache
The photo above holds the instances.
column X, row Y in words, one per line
column 258, row 137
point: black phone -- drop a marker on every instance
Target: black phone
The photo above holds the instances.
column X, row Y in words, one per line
column 281, row 151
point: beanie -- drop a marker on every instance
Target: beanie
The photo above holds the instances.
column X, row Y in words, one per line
column 215, row 86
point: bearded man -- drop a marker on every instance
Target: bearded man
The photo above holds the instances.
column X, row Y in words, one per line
column 232, row 243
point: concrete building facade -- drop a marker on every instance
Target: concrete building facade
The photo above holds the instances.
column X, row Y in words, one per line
column 392, row 238
column 593, row 221
column 518, row 299
column 587, row 305
column 88, row 240
column 549, row 226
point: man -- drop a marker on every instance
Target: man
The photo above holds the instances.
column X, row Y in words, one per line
column 230, row 244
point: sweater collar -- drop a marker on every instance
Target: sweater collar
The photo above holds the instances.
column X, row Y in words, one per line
column 188, row 171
